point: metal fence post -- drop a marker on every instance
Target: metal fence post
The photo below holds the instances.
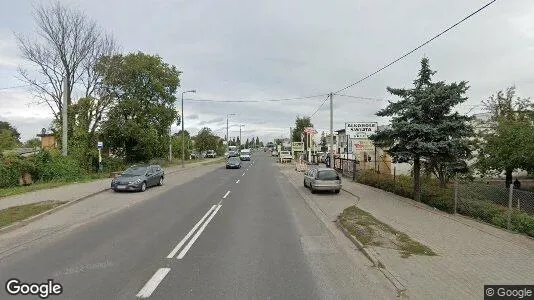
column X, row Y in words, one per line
column 455, row 194
column 510, row 197
column 354, row 170
column 394, row 175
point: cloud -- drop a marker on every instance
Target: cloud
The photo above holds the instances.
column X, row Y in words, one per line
column 254, row 50
column 216, row 121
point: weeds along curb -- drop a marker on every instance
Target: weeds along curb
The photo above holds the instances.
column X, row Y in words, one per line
column 401, row 289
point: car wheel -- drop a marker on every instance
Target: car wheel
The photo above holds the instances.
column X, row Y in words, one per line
column 143, row 186
column 336, row 191
column 160, row 183
column 313, row 191
column 305, row 183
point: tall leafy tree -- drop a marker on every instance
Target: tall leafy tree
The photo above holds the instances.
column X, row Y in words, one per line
column 423, row 126
column 300, row 124
column 507, row 141
column 8, row 140
column 206, row 140
column 144, row 86
column 247, row 144
column 257, row 141
column 324, row 142
column 8, row 126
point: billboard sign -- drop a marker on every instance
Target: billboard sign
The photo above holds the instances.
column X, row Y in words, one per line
column 360, row 130
column 297, row 146
column 310, row 130
column 359, row 145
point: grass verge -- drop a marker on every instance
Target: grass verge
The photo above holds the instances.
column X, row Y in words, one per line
column 15, row 214
column 16, row 190
column 371, row 232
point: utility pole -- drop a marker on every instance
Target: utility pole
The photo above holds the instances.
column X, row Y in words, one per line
column 240, row 136
column 64, row 116
column 331, row 129
column 182, row 119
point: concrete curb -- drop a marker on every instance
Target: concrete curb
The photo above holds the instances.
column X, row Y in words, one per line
column 401, row 289
column 25, row 222
column 376, row 262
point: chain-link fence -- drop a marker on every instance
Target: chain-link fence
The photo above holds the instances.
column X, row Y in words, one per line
column 505, row 207
column 509, row 208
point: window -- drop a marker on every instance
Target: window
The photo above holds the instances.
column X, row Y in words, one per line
column 328, row 175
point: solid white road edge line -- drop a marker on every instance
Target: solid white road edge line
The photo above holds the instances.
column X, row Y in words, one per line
column 153, row 283
column 182, row 242
column 237, row 181
column 192, row 241
column 226, row 195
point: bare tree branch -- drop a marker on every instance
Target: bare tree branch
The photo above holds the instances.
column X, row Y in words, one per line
column 67, row 40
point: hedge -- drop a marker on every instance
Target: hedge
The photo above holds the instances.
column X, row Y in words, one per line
column 44, row 166
column 443, row 199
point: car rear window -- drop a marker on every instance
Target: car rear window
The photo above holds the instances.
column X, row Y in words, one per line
column 328, row 175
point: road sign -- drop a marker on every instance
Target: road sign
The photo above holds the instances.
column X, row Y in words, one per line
column 297, row 146
column 360, row 130
column 100, row 145
column 310, row 130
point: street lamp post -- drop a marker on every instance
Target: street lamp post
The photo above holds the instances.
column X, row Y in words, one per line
column 183, row 132
column 240, row 135
column 227, row 137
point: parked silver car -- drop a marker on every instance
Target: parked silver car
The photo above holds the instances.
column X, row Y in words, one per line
column 322, row 179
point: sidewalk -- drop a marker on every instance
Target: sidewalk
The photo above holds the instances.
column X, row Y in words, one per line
column 470, row 254
column 75, row 191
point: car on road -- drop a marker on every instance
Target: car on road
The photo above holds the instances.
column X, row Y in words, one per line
column 211, row 154
column 245, row 154
column 232, row 154
column 138, row 178
column 322, row 179
column 233, row 162
column 274, row 153
column 285, row 156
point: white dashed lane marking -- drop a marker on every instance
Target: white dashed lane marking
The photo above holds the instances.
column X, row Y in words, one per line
column 153, row 283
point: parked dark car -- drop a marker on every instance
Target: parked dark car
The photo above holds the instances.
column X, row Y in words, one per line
column 138, row 178
column 233, row 163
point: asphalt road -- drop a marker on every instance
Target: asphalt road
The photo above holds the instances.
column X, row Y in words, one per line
column 229, row 234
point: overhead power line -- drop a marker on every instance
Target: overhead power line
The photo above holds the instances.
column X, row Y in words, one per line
column 13, row 87
column 255, row 101
column 362, row 98
column 320, row 106
column 417, row 48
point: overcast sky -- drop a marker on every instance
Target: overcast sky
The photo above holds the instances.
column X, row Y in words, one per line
column 255, row 50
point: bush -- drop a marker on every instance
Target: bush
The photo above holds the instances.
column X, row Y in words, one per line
column 431, row 193
column 477, row 206
column 51, row 165
column 12, row 167
column 523, row 223
column 112, row 164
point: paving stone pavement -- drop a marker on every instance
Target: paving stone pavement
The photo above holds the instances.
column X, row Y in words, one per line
column 470, row 253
